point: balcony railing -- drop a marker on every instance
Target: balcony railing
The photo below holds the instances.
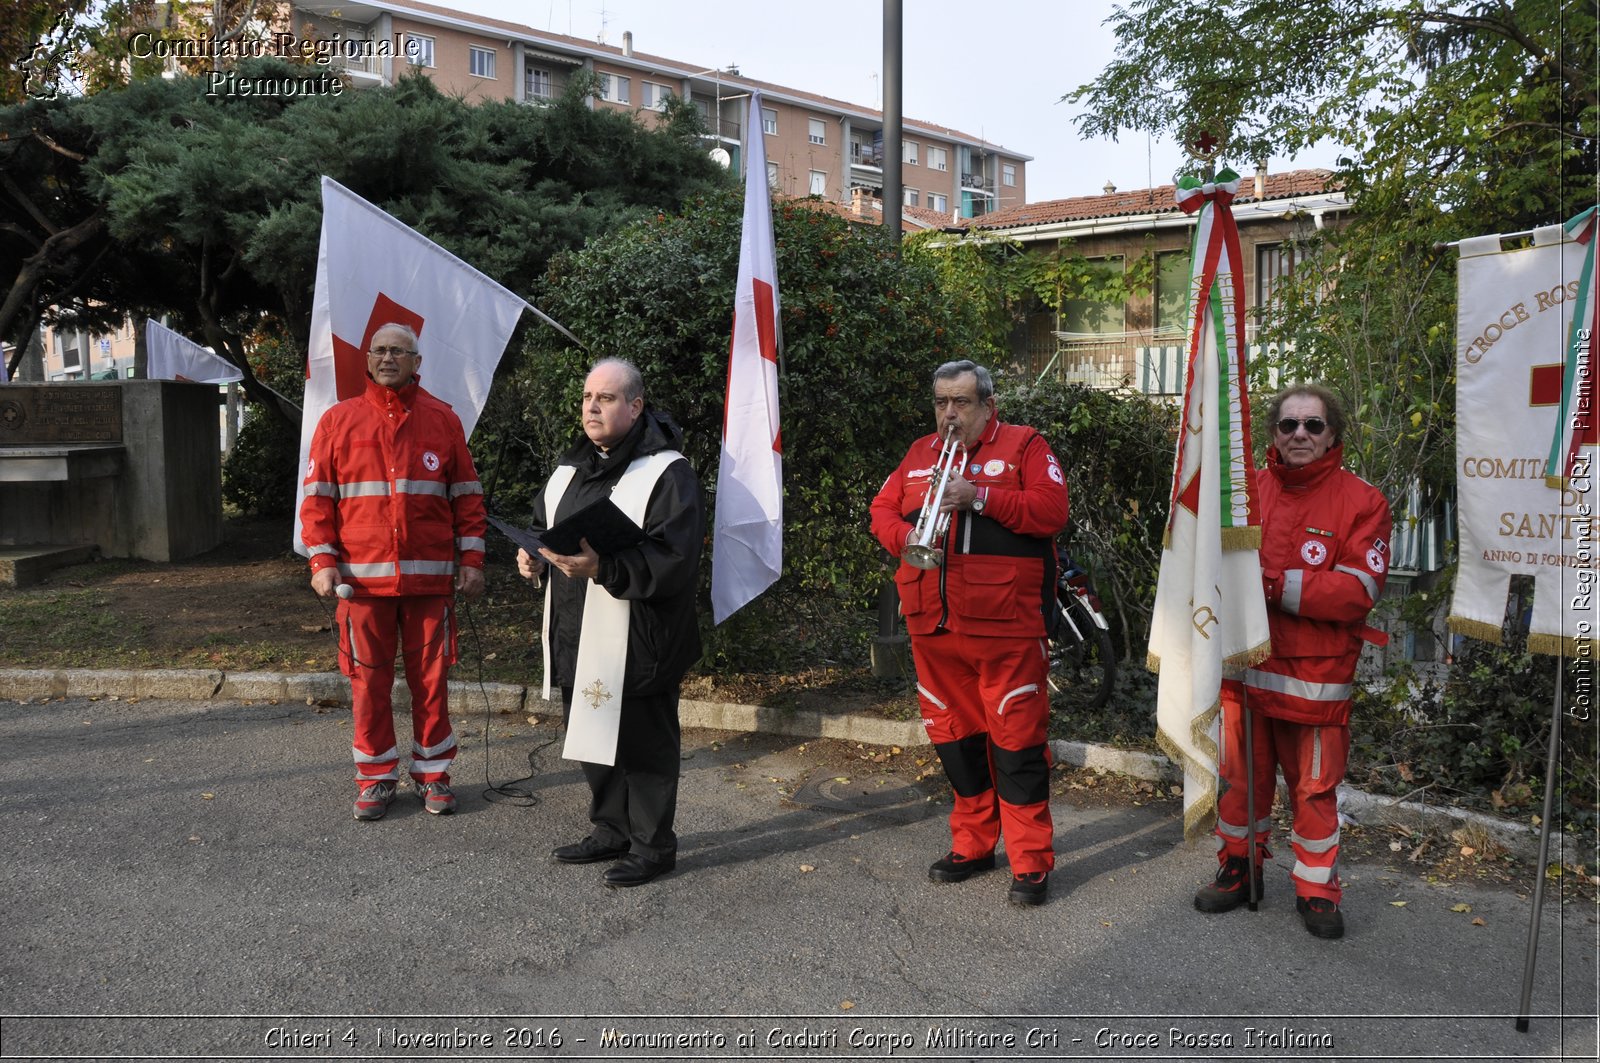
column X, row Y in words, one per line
column 369, row 65
column 866, row 155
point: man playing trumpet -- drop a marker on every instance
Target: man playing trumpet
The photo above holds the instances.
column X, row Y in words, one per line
column 983, row 514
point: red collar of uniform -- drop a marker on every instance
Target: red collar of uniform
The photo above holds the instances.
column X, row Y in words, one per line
column 1305, row 475
column 384, row 397
column 991, row 432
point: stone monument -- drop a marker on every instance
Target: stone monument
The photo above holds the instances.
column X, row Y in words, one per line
column 128, row 468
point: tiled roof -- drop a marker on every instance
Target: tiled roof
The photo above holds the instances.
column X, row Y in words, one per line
column 1158, row 200
column 930, row 218
column 681, row 68
column 912, row 219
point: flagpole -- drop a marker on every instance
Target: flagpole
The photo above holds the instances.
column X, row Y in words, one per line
column 1551, row 767
column 1249, row 797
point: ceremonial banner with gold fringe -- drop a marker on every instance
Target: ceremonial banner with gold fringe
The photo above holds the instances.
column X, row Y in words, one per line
column 1526, row 434
column 1210, row 612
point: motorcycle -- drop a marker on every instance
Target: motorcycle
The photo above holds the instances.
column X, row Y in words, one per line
column 1083, row 661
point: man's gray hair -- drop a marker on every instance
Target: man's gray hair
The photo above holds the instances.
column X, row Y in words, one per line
column 632, row 379
column 1332, row 407
column 951, row 370
column 399, row 326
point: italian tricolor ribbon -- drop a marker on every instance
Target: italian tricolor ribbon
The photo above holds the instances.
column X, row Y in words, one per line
column 1578, row 392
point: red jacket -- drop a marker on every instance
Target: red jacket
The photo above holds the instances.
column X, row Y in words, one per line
column 391, row 495
column 1324, row 559
column 999, row 566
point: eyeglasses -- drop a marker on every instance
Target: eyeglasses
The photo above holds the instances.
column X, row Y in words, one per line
column 398, row 352
column 1314, row 425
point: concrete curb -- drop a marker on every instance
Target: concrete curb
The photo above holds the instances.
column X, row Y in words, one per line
column 331, row 688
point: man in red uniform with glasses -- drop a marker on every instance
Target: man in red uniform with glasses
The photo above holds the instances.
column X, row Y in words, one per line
column 1324, row 557
column 978, row 624
column 393, row 519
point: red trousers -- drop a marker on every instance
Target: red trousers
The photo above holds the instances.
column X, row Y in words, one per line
column 986, row 705
column 368, row 627
column 1313, row 761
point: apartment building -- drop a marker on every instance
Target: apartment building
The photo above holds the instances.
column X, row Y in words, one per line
column 815, row 145
column 1139, row 344
column 76, row 354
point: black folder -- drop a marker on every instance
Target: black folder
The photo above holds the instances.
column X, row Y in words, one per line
column 606, row 527
column 525, row 539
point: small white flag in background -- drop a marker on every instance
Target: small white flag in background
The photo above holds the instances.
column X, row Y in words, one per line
column 174, row 357
column 1210, row 613
column 747, row 542
column 373, row 270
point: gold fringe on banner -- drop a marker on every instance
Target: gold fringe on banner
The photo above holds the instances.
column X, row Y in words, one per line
column 1474, row 629
column 1200, row 730
column 1238, row 662
column 1557, row 482
column 1248, row 659
column 1561, row 646
column 1247, row 538
column 1200, row 817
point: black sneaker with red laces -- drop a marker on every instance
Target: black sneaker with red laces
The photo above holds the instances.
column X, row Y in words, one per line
column 1227, row 891
column 1322, row 916
column 1029, row 888
column 953, row 867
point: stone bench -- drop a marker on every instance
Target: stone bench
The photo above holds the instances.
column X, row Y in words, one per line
column 60, row 463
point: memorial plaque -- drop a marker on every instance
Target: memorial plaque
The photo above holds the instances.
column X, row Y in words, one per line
column 31, row 414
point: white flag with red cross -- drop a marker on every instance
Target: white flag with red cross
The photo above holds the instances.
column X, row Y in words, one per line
column 747, row 543
column 372, row 270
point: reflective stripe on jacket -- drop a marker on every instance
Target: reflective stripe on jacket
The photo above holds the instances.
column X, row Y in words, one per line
column 391, row 494
column 1326, row 531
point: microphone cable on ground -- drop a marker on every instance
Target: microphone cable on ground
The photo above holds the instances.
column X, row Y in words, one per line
column 510, row 792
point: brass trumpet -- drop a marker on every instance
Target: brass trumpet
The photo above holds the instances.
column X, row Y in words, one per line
column 922, row 551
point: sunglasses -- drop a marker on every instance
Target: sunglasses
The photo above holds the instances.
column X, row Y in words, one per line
column 1314, row 425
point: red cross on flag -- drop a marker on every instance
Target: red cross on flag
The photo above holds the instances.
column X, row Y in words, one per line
column 1547, row 386
column 372, row 270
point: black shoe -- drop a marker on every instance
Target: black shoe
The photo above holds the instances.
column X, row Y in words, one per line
column 1322, row 916
column 1029, row 889
column 587, row 851
column 635, row 870
column 953, row 867
column 1229, row 890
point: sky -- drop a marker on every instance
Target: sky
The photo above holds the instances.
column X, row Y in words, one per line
column 994, row 69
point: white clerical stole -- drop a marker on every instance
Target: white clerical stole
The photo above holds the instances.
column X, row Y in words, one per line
column 603, row 642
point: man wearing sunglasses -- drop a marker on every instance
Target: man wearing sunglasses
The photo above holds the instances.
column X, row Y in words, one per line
column 1324, row 557
column 393, row 518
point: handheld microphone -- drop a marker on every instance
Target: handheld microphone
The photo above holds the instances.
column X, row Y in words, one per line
column 344, row 590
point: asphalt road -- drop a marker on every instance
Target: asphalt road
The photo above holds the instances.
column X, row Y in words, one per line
column 184, row 879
